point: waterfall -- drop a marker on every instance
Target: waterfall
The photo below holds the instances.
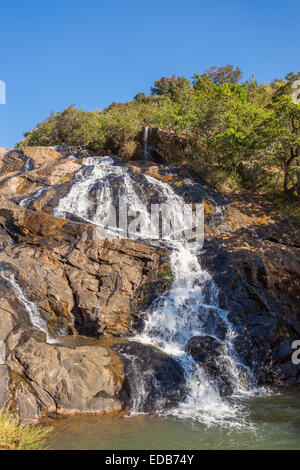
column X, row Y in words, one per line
column 35, row 317
column 189, row 309
column 147, row 153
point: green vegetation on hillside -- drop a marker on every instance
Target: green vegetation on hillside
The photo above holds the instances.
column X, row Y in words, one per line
column 16, row 436
column 245, row 133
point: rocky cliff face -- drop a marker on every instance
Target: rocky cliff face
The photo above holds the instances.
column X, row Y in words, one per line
column 65, row 286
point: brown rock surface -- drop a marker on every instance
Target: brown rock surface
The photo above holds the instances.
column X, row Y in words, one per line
column 41, row 156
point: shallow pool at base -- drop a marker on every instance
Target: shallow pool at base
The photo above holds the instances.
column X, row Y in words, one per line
column 275, row 425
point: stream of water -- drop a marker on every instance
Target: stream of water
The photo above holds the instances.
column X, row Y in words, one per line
column 146, row 150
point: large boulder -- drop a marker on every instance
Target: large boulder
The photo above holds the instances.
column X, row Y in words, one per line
column 51, row 378
column 41, row 156
column 164, row 146
column 154, row 381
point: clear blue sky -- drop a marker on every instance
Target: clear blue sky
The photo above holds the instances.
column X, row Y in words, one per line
column 91, row 52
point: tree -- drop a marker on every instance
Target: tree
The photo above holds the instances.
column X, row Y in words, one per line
column 170, row 86
column 225, row 74
column 284, row 126
column 141, row 97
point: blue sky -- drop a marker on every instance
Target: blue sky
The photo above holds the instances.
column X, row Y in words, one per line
column 92, row 52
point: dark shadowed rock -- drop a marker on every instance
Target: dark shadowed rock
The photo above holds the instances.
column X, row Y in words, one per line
column 164, row 146
column 258, row 273
column 205, row 349
column 211, row 354
column 153, row 380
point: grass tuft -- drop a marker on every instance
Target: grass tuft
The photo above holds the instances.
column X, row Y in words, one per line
column 17, row 436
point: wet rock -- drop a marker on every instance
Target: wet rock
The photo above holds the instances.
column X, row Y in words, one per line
column 12, row 312
column 164, row 146
column 68, row 151
column 2, row 353
column 5, row 239
column 154, row 381
column 211, row 353
column 4, row 381
column 82, row 282
column 12, row 162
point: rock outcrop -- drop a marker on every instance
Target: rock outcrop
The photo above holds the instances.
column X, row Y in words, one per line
column 78, row 279
column 75, row 281
column 212, row 355
column 165, row 147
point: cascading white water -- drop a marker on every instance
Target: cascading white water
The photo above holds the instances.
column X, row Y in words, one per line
column 189, row 309
column 97, row 176
column 91, row 197
column 146, row 151
column 33, row 312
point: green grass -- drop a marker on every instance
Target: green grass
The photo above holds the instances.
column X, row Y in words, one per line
column 17, row 436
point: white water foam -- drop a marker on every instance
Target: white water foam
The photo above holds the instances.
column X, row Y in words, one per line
column 96, row 175
column 91, row 197
column 26, row 201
